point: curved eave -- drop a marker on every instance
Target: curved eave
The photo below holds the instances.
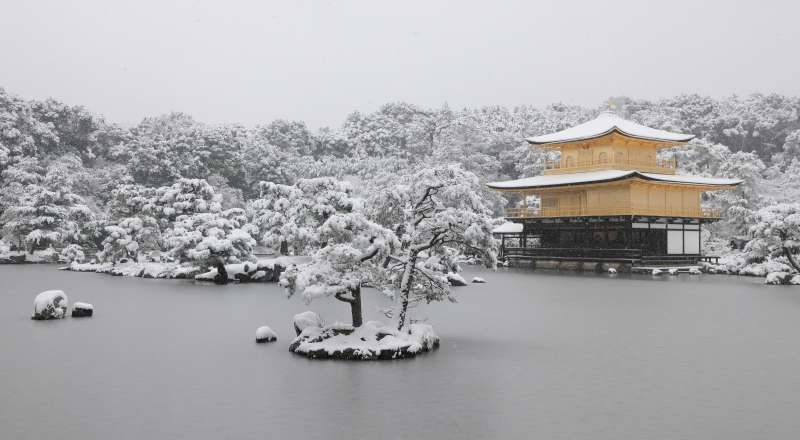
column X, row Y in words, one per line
column 633, row 175
column 557, row 185
column 615, row 129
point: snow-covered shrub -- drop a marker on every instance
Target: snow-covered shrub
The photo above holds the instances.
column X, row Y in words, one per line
column 72, row 252
column 776, row 233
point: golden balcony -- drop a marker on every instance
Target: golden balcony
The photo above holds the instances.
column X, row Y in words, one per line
column 660, row 166
column 704, row 213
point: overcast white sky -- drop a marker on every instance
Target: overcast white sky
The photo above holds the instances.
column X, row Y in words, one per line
column 250, row 62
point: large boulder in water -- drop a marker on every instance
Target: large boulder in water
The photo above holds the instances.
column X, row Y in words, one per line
column 305, row 320
column 50, row 304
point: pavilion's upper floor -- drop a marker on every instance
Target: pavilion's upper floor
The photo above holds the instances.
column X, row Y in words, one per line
column 609, row 142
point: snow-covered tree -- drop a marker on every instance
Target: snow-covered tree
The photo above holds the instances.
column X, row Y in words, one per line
column 289, row 216
column 776, row 232
column 184, row 197
column 433, row 210
column 211, row 237
column 353, row 256
column 130, row 237
column 40, row 216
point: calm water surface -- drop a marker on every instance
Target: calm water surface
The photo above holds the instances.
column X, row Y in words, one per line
column 527, row 355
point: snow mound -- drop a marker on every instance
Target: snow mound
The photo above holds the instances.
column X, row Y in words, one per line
column 612, row 271
column 656, row 272
column 82, row 309
column 694, row 270
column 265, row 334
column 50, row 304
column 307, row 319
column 478, row 280
column 371, row 341
column 456, row 279
column 673, row 271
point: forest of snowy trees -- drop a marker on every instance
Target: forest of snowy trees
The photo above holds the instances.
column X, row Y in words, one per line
column 175, row 188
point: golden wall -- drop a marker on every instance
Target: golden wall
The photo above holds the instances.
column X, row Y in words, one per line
column 626, row 198
column 609, row 152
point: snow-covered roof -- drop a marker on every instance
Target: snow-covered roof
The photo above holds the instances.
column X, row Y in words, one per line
column 508, row 228
column 605, row 124
column 554, row 180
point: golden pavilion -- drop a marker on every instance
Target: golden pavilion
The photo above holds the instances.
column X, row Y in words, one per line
column 609, row 196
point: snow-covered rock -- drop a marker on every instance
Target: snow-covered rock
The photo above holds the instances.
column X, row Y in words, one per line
column 265, row 270
column 478, row 280
column 656, row 272
column 307, row 319
column 50, row 304
column 673, row 271
column 371, row 341
column 612, row 271
column 782, row 278
column 456, row 279
column 265, row 334
column 82, row 310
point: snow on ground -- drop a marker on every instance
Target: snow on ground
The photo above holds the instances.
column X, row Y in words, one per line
column 266, row 334
column 50, row 304
column 371, row 341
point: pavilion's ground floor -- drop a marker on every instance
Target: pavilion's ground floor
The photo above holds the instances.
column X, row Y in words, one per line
column 629, row 238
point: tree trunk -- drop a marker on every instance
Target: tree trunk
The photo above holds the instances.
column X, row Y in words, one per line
column 790, row 257
column 405, row 292
column 284, row 250
column 355, row 307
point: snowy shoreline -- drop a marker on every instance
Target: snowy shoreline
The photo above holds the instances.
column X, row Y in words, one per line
column 36, row 257
column 264, row 270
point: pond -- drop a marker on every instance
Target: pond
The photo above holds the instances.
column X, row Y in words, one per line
column 555, row 355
